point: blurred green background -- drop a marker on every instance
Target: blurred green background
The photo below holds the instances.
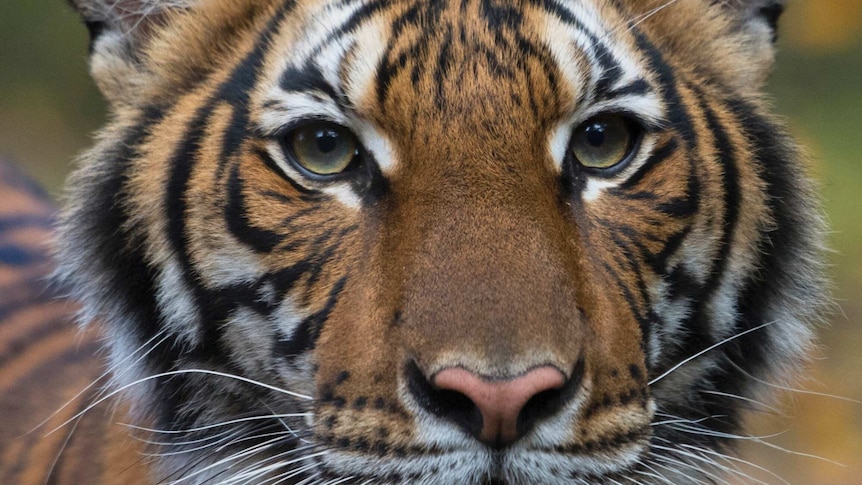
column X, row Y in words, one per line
column 49, row 109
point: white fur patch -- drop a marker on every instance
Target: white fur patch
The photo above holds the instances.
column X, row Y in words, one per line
column 175, row 300
column 287, row 108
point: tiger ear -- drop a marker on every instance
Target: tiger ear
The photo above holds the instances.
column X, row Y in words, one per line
column 119, row 31
column 757, row 22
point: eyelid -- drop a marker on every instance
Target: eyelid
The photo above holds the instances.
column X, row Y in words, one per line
column 645, row 125
column 283, row 130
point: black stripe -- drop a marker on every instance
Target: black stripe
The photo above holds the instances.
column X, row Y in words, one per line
column 499, row 20
column 18, row 256
column 678, row 115
column 682, row 285
column 658, row 156
column 367, row 11
column 284, row 279
column 228, row 298
column 387, row 70
column 644, row 322
column 563, row 14
column 611, row 72
column 309, row 78
column 46, row 328
column 726, row 154
column 549, row 72
column 305, row 336
column 258, row 239
column 19, row 297
column 292, row 218
column 12, row 176
column 176, row 205
column 690, row 205
column 500, row 16
column 25, row 222
column 306, row 195
column 680, row 207
column 638, row 87
column 658, row 261
column 276, row 196
column 493, row 59
column 442, row 68
column 321, row 259
column 647, row 319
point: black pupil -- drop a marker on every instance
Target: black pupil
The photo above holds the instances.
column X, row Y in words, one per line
column 596, row 134
column 327, row 140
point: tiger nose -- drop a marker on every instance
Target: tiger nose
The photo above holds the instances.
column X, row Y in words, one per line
column 501, row 402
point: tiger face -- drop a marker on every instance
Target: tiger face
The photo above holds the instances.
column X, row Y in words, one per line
column 471, row 241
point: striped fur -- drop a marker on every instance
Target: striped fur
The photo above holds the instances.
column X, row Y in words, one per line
column 270, row 326
column 45, row 362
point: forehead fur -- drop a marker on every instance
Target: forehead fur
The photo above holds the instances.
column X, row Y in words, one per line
column 205, row 34
column 195, row 41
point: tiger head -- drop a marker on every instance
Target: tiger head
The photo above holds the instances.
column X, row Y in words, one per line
column 474, row 241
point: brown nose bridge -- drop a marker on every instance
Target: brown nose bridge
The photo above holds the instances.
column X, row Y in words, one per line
column 487, row 271
column 486, row 257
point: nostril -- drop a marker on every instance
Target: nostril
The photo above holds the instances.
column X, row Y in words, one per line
column 538, row 407
column 547, row 403
column 445, row 403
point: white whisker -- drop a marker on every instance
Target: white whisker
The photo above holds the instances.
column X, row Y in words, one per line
column 738, row 460
column 746, row 399
column 795, row 390
column 95, row 381
column 216, row 425
column 643, row 18
column 709, row 349
column 174, row 373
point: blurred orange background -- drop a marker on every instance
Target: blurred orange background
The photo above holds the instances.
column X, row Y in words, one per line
column 49, row 108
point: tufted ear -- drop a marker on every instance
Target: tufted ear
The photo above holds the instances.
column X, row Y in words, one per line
column 758, row 17
column 119, row 31
column 757, row 21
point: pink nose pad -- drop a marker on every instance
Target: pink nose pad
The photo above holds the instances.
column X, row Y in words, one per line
column 500, row 401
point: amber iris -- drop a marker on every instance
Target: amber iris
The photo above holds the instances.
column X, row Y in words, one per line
column 323, row 148
column 603, row 142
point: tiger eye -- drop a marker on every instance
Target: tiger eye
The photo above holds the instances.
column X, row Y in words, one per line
column 323, row 148
column 603, row 141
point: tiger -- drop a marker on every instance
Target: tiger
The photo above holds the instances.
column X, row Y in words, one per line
column 436, row 242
